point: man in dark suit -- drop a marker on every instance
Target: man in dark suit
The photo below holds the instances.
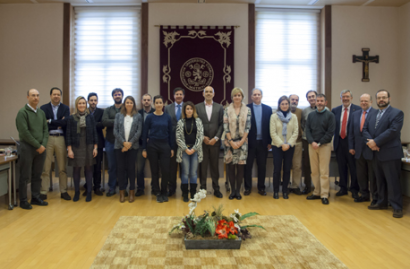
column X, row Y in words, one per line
column 382, row 132
column 259, row 141
column 175, row 111
column 56, row 115
column 97, row 113
column 362, row 153
column 346, row 162
column 211, row 114
column 145, row 111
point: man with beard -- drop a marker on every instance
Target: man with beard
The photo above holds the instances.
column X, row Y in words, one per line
column 320, row 127
column 297, row 155
column 345, row 160
column 145, row 111
column 108, row 121
column 259, row 141
column 211, row 114
column 382, row 132
column 56, row 114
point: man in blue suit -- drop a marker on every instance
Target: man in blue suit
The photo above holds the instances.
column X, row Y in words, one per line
column 362, row 153
column 259, row 142
column 345, row 160
column 382, row 132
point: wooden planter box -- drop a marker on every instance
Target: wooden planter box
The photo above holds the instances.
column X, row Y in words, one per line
column 212, row 244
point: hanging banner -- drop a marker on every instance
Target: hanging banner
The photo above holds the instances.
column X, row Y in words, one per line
column 193, row 57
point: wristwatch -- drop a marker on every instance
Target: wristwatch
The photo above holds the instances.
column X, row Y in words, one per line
column 216, row 138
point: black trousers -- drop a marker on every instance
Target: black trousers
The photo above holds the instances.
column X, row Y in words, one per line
column 235, row 176
column 346, row 162
column 366, row 175
column 280, row 158
column 126, row 168
column 31, row 165
column 210, row 158
column 97, row 170
column 388, row 182
column 306, row 165
column 260, row 152
column 173, row 169
column 159, row 153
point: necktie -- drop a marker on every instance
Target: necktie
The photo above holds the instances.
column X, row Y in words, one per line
column 344, row 122
column 362, row 121
column 379, row 115
column 178, row 115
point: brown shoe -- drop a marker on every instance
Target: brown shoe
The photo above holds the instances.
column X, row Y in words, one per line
column 132, row 195
column 122, row 196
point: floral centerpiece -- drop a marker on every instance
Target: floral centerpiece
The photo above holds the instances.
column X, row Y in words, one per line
column 213, row 224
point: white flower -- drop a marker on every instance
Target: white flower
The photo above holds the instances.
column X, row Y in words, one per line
column 233, row 217
column 237, row 212
column 237, row 226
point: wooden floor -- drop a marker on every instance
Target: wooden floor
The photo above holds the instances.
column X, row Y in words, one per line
column 69, row 235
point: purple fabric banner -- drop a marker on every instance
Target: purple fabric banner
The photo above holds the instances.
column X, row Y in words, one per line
column 193, row 57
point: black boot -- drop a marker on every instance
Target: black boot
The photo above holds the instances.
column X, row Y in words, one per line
column 193, row 190
column 184, row 188
column 76, row 196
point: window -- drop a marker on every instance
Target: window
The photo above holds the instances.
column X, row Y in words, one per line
column 106, row 52
column 287, row 54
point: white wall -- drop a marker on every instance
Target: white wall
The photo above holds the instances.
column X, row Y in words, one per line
column 31, row 56
column 198, row 15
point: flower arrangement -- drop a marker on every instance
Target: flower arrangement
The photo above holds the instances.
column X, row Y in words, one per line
column 213, row 225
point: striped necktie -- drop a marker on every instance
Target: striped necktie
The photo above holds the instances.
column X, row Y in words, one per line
column 379, row 115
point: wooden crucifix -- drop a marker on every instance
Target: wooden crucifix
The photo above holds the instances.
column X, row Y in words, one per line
column 366, row 59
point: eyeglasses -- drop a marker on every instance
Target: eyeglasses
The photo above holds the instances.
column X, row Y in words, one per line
column 382, row 98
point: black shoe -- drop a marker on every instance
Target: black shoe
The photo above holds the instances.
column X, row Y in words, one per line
column 306, row 191
column 65, row 196
column 165, row 198
column 77, row 196
column 171, row 192
column 89, row 197
column 238, row 195
column 295, row 191
column 25, row 205
column 85, row 193
column 98, row 192
column 155, row 193
column 398, row 213
column 218, row 194
column 110, row 193
column 262, row 192
column 377, row 207
column 247, row 192
column 276, row 195
column 232, row 195
column 159, row 198
column 313, row 197
column 355, row 194
column 43, row 197
column 373, row 202
column 139, row 193
column 341, row 193
column 362, row 199
column 325, row 201
column 285, row 195
column 38, row 201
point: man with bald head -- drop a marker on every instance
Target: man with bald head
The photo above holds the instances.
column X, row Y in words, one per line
column 363, row 154
column 32, row 126
column 211, row 114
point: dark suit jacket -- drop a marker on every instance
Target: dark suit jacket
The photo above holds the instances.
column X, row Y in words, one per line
column 170, row 109
column 337, row 111
column 141, row 111
column 98, row 113
column 387, row 134
column 63, row 111
column 213, row 127
column 356, row 139
column 266, row 138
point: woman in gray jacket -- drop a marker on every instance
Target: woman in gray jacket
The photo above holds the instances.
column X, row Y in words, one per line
column 127, row 132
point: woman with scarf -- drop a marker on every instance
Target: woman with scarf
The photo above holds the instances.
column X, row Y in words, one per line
column 237, row 123
column 81, row 141
column 284, row 132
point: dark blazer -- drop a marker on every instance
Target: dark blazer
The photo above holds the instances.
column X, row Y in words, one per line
column 387, row 134
column 213, row 127
column 170, row 110
column 337, row 111
column 63, row 111
column 356, row 139
column 141, row 111
column 98, row 113
column 72, row 138
column 135, row 132
column 266, row 138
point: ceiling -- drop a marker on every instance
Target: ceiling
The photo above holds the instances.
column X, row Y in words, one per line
column 389, row 3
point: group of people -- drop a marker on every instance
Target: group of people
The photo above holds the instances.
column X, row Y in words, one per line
column 366, row 142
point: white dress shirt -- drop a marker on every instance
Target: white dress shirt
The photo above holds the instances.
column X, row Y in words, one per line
column 127, row 126
column 208, row 109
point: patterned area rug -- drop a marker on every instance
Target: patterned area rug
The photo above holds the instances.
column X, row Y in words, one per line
column 144, row 243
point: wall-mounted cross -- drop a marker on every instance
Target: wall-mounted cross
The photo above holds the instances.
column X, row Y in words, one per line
column 366, row 59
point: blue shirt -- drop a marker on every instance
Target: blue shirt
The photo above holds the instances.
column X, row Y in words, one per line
column 176, row 107
column 365, row 115
column 158, row 128
column 257, row 109
column 55, row 109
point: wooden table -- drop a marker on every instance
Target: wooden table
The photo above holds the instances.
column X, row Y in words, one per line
column 11, row 161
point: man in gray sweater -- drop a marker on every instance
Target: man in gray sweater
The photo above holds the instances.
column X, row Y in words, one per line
column 320, row 127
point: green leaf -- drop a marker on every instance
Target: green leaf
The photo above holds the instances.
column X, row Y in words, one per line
column 173, row 229
column 250, row 214
column 253, row 225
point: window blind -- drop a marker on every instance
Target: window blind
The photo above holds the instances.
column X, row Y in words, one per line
column 287, row 53
column 106, row 52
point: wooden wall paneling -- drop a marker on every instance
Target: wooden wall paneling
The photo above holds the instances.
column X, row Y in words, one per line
column 251, row 50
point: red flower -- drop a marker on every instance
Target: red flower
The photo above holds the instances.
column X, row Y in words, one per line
column 233, row 230
column 231, row 224
column 222, row 231
column 222, row 222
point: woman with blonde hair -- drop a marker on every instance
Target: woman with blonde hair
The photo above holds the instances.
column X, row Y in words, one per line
column 237, row 123
column 127, row 132
column 190, row 134
column 81, row 141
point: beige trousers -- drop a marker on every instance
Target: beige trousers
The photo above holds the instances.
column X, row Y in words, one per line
column 297, row 166
column 319, row 164
column 55, row 146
